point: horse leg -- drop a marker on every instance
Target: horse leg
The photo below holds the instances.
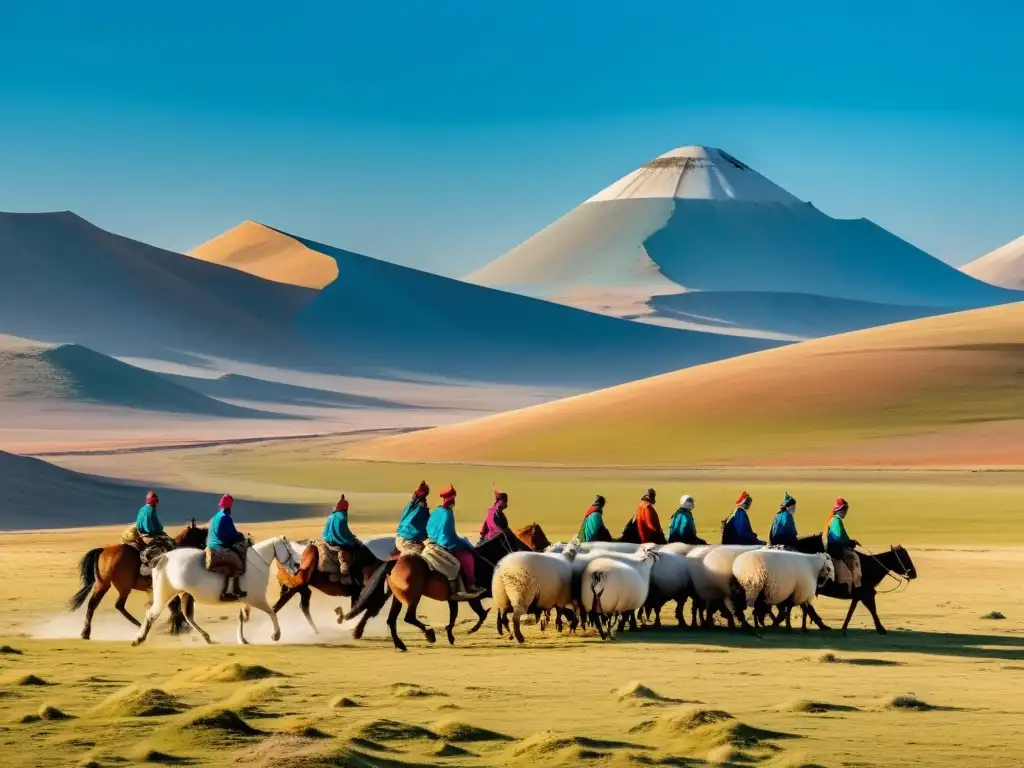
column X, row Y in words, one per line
column 305, row 594
column 240, row 635
column 869, row 600
column 153, row 614
column 95, row 599
column 262, row 604
column 192, row 623
column 481, row 613
column 453, row 614
column 122, row 599
column 622, row 623
column 412, row 618
column 287, row 593
column 849, row 614
column 809, row 610
column 396, row 608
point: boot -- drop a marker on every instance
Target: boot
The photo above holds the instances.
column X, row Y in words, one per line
column 238, row 588
column 227, row 595
column 462, row 592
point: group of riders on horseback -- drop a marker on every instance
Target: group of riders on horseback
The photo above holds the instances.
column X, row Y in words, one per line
column 432, row 535
column 645, row 526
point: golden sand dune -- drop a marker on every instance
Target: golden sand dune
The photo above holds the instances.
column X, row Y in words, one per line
column 942, row 390
column 259, row 250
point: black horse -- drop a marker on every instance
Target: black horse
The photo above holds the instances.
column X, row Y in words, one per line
column 874, row 568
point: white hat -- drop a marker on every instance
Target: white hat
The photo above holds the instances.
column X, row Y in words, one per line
column 686, row 502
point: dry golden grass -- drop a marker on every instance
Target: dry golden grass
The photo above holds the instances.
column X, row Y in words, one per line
column 944, row 674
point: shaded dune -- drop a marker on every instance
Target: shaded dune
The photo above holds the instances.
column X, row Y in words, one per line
column 1003, row 267
column 825, row 395
column 229, row 672
column 266, row 253
column 73, row 374
column 31, row 487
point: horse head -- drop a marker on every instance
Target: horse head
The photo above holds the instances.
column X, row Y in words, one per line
column 532, row 536
column 906, row 565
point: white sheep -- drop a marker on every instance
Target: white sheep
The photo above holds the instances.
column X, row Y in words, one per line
column 532, row 581
column 779, row 577
column 680, row 548
column 610, row 546
column 711, row 575
column 617, row 586
column 670, row 580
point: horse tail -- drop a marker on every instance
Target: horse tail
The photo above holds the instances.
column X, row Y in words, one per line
column 374, row 594
column 87, row 573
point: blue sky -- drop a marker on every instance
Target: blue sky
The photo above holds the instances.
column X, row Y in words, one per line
column 441, row 134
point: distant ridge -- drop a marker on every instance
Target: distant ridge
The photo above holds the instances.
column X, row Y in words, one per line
column 1003, row 267
column 941, row 391
column 680, row 240
column 259, row 250
column 76, row 375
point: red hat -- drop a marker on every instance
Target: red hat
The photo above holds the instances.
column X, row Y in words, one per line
column 226, row 501
column 500, row 495
column 743, row 497
column 448, row 493
column 422, row 490
column 841, row 504
column 342, row 505
column 152, row 499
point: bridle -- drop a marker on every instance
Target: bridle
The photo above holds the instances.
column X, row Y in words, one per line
column 900, row 578
column 289, row 561
column 504, row 543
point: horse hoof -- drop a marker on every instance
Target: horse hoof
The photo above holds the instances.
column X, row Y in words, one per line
column 431, row 636
column 136, row 642
column 86, row 634
column 400, row 647
column 276, row 636
column 451, row 637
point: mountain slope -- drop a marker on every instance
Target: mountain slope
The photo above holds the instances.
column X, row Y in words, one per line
column 265, row 252
column 35, row 494
column 394, row 317
column 1003, row 267
column 698, row 219
column 74, row 375
column 65, row 280
column 948, row 389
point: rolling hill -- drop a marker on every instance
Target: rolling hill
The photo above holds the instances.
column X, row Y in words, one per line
column 32, row 373
column 947, row 390
column 266, row 253
column 1003, row 267
column 684, row 239
column 35, row 494
column 389, row 318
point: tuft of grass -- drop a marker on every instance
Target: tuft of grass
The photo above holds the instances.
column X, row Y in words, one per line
column 342, row 702
column 137, row 701
column 455, row 730
column 638, row 693
column 906, row 701
column 6, row 649
column 231, row 672
column 46, row 713
column 25, row 680
column 804, row 706
column 994, row 616
column 412, row 691
column 384, row 730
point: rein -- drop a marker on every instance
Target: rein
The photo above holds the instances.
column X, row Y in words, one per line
column 902, row 583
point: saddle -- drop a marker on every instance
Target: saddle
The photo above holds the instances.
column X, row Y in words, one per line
column 230, row 561
column 149, row 549
column 845, row 574
column 407, row 546
column 441, row 560
column 333, row 561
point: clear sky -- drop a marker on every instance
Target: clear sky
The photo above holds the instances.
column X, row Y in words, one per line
column 439, row 134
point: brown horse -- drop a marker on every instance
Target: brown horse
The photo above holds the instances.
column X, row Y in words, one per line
column 410, row 580
column 309, row 576
column 533, row 537
column 118, row 567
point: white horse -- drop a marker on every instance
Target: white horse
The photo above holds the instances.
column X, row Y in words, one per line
column 183, row 571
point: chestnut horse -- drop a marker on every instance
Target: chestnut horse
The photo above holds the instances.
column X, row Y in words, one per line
column 409, row 580
column 118, row 567
column 309, row 576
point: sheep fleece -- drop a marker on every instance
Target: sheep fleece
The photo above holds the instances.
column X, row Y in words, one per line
column 778, row 575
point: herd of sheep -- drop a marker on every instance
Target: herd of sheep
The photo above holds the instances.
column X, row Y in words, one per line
column 602, row 582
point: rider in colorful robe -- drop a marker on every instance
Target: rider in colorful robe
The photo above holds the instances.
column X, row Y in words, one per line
column 441, row 531
column 682, row 528
column 226, row 549
column 783, row 532
column 496, row 523
column 593, row 527
column 412, row 526
column 647, row 523
column 737, row 528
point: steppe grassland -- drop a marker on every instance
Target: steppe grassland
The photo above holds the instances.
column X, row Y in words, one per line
column 940, row 688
